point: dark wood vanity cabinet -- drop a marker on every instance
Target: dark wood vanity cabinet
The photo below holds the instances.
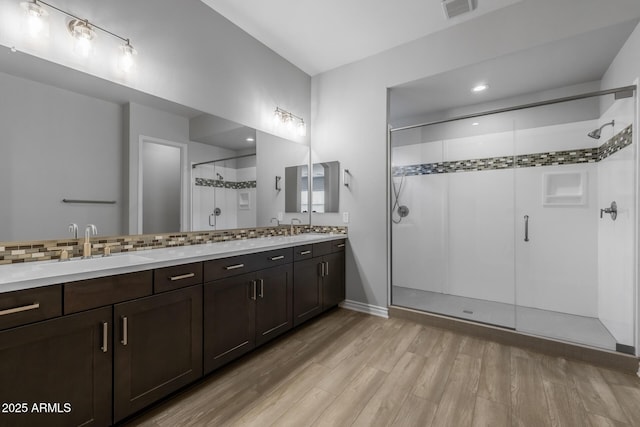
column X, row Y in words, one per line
column 58, row 372
column 318, row 279
column 248, row 309
column 93, row 352
column 157, row 347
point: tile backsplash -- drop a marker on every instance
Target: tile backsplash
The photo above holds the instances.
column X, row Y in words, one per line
column 32, row 251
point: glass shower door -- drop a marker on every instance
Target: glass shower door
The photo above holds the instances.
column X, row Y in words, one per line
column 559, row 190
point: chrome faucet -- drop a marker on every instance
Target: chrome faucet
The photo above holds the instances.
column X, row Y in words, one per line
column 294, row 219
column 277, row 221
column 73, row 229
column 88, row 231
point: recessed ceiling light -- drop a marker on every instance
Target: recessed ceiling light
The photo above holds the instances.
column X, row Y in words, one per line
column 475, row 124
column 480, row 88
column 250, row 139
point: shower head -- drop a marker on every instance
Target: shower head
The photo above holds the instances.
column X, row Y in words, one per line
column 595, row 134
column 221, row 178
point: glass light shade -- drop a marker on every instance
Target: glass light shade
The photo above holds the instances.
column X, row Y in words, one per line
column 35, row 16
column 277, row 118
column 82, row 34
column 302, row 129
column 127, row 58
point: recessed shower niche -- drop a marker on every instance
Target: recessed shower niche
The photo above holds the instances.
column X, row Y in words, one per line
column 564, row 188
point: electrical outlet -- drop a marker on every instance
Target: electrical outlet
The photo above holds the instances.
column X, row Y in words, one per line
column 280, row 216
column 345, row 217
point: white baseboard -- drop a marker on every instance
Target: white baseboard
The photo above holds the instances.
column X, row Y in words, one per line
column 374, row 310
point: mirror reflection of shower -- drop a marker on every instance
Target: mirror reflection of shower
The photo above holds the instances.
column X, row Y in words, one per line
column 224, row 193
column 595, row 134
column 398, row 211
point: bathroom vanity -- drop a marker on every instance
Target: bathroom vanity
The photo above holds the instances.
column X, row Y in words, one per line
column 84, row 346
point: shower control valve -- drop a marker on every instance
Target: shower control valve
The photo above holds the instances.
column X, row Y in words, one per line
column 612, row 210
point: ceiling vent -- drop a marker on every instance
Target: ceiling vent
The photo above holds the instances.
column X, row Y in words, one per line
column 453, row 8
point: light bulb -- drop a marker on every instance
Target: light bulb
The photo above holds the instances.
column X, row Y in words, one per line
column 302, row 129
column 83, row 34
column 35, row 18
column 127, row 61
column 289, row 123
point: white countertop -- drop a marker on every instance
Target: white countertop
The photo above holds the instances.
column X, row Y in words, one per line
column 28, row 275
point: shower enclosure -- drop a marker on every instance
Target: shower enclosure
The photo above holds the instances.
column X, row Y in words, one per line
column 224, row 193
column 522, row 218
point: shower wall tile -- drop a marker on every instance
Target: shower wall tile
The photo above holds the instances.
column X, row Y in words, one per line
column 550, row 158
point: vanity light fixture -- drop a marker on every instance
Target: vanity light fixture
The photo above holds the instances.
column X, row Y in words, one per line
column 480, row 88
column 290, row 121
column 80, row 29
column 36, row 16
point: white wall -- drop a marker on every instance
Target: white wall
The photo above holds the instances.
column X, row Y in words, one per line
column 349, row 111
column 45, row 131
column 619, row 243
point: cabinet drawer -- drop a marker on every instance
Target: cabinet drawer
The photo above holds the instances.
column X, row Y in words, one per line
column 179, row 276
column 30, row 305
column 233, row 266
column 227, row 267
column 302, row 252
column 326, row 248
column 273, row 258
column 87, row 294
column 338, row 245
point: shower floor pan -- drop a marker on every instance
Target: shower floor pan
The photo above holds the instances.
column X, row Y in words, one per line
column 551, row 324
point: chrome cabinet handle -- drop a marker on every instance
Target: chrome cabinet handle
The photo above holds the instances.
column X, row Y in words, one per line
column 305, row 252
column 526, row 228
column 234, row 267
column 182, row 276
column 276, row 258
column 253, row 290
column 125, row 331
column 33, row 306
column 341, row 245
column 321, row 265
column 327, row 269
column 261, row 293
column 105, row 337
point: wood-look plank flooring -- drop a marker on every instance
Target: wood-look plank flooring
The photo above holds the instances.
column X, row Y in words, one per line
column 347, row 368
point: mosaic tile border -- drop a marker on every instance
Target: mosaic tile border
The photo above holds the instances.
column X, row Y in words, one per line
column 554, row 158
column 33, row 251
column 217, row 183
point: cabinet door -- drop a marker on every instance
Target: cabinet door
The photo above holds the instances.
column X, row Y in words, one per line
column 273, row 308
column 307, row 290
column 333, row 281
column 61, row 369
column 157, row 347
column 229, row 319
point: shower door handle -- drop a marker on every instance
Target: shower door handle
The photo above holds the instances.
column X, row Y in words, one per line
column 526, row 228
column 214, row 220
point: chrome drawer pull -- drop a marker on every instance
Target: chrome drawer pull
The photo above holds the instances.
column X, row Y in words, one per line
column 125, row 331
column 233, row 267
column 182, row 276
column 305, row 252
column 276, row 258
column 105, row 337
column 261, row 293
column 341, row 245
column 33, row 306
column 253, row 290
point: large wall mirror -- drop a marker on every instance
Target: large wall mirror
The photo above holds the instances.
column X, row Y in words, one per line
column 78, row 149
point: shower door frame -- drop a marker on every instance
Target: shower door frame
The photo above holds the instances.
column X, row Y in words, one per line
column 624, row 91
